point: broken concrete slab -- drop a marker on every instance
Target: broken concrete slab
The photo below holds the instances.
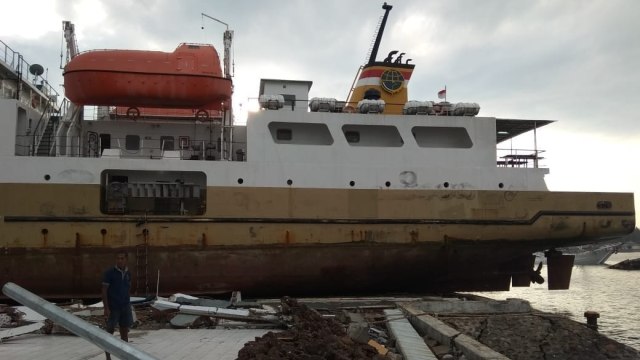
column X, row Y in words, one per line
column 20, row 330
column 458, row 306
column 192, row 300
column 183, row 321
column 29, row 315
column 232, row 314
column 358, row 332
column 445, row 334
column 89, row 312
column 411, row 345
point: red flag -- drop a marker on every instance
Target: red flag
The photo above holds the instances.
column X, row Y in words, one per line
column 442, row 94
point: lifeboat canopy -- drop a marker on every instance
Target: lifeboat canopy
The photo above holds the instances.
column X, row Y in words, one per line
column 189, row 77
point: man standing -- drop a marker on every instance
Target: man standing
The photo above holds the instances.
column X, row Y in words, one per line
column 116, row 284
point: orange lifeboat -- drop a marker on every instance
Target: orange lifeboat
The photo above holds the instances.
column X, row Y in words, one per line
column 190, row 77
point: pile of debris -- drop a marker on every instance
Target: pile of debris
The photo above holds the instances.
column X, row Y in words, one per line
column 298, row 330
column 311, row 336
column 18, row 320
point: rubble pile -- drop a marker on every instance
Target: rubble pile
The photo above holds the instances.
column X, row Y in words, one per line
column 311, row 336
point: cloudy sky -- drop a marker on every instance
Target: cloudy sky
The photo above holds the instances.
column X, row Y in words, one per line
column 575, row 61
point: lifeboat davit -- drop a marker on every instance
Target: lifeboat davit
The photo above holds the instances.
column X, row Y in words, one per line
column 189, row 77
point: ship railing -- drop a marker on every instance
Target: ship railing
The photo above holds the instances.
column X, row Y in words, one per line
column 519, row 158
column 14, row 61
column 91, row 146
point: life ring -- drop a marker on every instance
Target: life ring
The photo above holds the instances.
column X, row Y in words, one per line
column 133, row 113
column 202, row 114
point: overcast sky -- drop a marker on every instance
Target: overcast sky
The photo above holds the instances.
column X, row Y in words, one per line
column 575, row 61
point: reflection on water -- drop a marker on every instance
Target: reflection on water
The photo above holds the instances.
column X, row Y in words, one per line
column 612, row 293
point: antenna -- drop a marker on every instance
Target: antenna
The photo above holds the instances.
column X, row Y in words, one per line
column 376, row 45
column 227, row 40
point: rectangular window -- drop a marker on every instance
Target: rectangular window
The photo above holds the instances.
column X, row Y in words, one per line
column 184, row 142
column 105, row 142
column 132, row 142
column 139, row 192
column 442, row 137
column 166, row 142
column 300, row 133
column 289, row 100
column 372, row 135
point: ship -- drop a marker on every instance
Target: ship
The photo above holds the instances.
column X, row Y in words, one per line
column 372, row 194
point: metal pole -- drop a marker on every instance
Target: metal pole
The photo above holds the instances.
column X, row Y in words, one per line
column 89, row 332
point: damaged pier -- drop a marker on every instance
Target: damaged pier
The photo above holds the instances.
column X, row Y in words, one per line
column 456, row 327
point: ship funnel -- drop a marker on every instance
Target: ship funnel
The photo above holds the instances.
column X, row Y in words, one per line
column 384, row 80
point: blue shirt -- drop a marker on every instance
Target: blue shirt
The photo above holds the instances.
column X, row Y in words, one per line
column 119, row 284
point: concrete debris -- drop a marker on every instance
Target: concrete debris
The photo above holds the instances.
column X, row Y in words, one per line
column 20, row 330
column 89, row 312
column 5, row 320
column 29, row 315
column 236, row 298
column 192, row 300
column 627, row 265
column 359, row 332
column 378, row 335
column 51, row 328
column 361, row 329
column 183, row 321
column 408, row 341
column 248, row 315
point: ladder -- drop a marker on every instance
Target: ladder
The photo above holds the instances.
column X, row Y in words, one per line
column 373, row 41
column 142, row 265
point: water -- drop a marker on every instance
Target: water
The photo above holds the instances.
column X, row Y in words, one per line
column 612, row 293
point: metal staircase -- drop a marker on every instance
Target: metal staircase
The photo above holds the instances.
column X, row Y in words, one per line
column 47, row 140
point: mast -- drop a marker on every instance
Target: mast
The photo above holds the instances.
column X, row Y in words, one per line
column 376, row 45
column 227, row 39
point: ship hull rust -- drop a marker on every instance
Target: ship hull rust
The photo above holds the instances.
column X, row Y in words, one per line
column 353, row 268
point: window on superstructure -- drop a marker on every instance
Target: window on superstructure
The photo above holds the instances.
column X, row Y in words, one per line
column 372, row 135
column 166, row 142
column 132, row 142
column 289, row 101
column 442, row 137
column 300, row 133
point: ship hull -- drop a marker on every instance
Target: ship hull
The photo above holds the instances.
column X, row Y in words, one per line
column 276, row 270
column 276, row 241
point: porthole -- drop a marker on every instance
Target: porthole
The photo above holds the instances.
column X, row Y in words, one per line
column 44, row 231
column 387, row 184
column 103, row 231
column 47, row 177
column 501, row 185
column 352, row 183
column 240, row 180
column 289, row 182
column 446, row 184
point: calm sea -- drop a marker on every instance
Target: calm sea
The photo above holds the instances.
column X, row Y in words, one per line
column 612, row 293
